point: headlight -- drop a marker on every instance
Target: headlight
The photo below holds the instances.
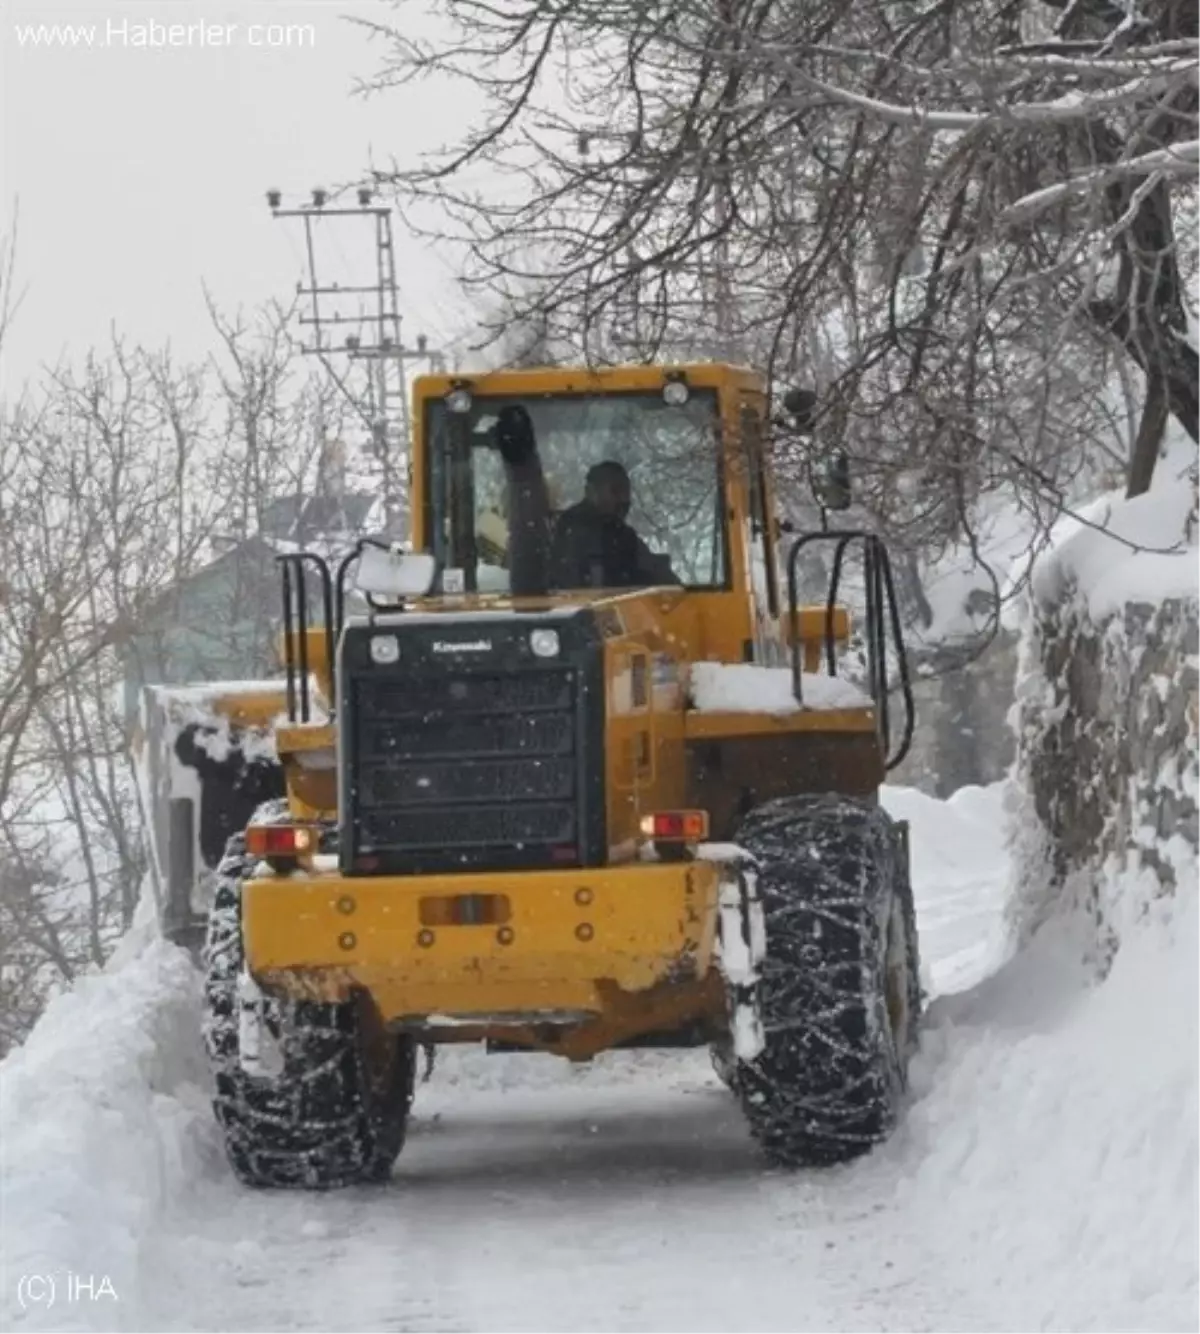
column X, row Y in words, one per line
column 459, row 401
column 675, row 393
column 385, row 649
column 544, row 643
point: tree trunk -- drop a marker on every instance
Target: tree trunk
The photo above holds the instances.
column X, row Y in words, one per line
column 1147, row 313
column 1148, row 441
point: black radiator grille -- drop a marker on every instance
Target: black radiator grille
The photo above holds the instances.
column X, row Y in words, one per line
column 516, row 827
column 466, row 762
column 459, row 693
column 477, row 780
column 468, row 737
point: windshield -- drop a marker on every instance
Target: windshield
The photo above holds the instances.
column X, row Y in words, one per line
column 562, row 492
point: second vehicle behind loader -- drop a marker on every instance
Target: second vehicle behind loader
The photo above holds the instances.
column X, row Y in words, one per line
column 529, row 799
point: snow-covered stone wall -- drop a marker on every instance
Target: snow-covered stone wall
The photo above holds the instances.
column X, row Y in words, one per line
column 1106, row 715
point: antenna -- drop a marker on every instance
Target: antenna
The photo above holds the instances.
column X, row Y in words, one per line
column 379, row 395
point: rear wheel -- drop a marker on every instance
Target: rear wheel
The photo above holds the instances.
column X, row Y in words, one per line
column 839, row 988
column 336, row 1111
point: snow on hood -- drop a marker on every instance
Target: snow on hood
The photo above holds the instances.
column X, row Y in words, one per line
column 740, row 687
column 207, row 692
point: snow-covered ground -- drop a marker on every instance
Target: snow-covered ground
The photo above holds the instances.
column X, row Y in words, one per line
column 960, row 879
column 1044, row 1178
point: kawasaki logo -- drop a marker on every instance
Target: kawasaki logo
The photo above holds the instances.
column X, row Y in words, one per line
column 462, row 646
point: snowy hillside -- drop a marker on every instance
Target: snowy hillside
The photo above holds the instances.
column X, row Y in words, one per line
column 1044, row 1177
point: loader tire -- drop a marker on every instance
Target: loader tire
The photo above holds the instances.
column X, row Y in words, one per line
column 337, row 1115
column 839, row 991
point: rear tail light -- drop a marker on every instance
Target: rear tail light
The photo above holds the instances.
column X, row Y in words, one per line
column 282, row 840
column 676, row 826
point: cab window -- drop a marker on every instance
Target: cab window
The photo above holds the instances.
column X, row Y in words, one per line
column 668, row 454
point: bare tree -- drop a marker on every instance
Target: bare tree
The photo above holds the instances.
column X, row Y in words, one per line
column 959, row 215
column 255, row 372
column 10, row 299
column 969, row 225
column 89, row 536
column 39, row 941
column 121, row 481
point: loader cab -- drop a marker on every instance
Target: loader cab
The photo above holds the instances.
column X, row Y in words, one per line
column 690, row 440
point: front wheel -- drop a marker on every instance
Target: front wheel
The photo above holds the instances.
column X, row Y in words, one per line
column 839, row 990
column 335, row 1112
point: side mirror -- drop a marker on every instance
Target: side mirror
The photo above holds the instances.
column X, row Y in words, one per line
column 831, row 486
column 801, row 407
column 391, row 573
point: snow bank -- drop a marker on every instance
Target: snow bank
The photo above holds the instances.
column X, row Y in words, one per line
column 1053, row 1149
column 103, row 1117
column 1056, row 1136
column 719, row 687
column 1139, row 550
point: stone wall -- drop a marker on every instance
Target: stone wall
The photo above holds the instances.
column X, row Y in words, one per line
column 1106, row 766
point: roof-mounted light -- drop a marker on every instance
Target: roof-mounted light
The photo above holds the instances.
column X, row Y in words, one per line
column 459, row 400
column 675, row 391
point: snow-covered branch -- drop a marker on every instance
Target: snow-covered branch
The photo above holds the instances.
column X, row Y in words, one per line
column 832, row 190
column 1177, row 160
column 1071, row 106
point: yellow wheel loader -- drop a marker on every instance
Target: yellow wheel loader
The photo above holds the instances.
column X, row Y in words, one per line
column 573, row 773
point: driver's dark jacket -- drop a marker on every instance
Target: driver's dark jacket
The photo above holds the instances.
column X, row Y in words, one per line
column 588, row 552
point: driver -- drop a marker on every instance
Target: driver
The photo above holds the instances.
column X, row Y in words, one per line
column 594, row 547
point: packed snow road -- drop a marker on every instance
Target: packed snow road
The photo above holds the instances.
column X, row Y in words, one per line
column 1044, row 1177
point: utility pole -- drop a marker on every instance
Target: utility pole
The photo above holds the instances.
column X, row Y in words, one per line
column 379, row 395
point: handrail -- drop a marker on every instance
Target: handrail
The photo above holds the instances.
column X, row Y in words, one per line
column 295, row 591
column 342, row 570
column 882, row 615
column 295, row 618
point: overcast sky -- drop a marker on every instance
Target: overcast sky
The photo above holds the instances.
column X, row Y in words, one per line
column 141, row 171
